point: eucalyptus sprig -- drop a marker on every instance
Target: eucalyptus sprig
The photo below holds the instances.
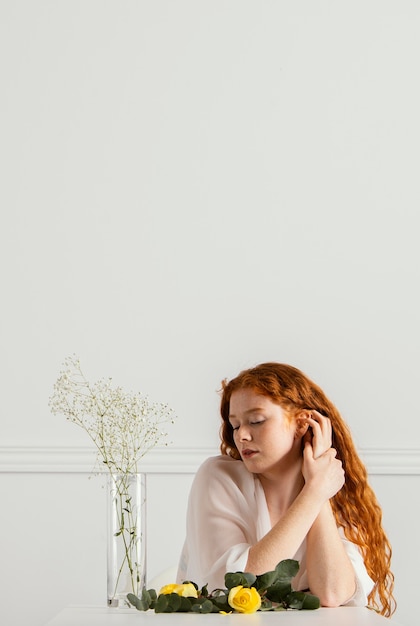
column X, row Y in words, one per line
column 243, row 593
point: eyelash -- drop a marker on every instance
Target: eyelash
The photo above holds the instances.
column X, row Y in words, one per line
column 251, row 424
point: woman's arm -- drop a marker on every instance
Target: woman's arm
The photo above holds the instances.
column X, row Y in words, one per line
column 330, row 572
column 331, row 575
column 324, row 476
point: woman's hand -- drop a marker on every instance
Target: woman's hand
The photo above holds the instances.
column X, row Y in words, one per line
column 324, row 474
column 321, row 439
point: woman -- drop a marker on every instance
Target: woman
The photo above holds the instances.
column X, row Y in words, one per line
column 289, row 484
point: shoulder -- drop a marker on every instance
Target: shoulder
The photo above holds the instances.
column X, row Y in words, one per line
column 221, row 463
column 222, row 484
column 224, row 469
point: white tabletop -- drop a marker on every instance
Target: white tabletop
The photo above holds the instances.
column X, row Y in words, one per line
column 104, row 616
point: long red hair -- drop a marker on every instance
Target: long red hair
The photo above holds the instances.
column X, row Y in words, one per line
column 355, row 506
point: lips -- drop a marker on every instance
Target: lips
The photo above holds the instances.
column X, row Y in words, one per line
column 248, row 454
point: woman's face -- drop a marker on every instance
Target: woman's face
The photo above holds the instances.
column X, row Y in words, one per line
column 263, row 434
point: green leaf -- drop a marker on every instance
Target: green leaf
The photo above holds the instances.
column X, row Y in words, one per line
column 279, row 591
column 250, row 578
column 266, row 605
column 139, row 604
column 132, row 598
column 301, row 600
column 171, row 603
column 152, row 593
column 204, row 591
column 221, row 603
column 287, row 569
column 311, row 602
column 148, row 597
column 185, row 606
column 162, row 603
column 145, row 602
column 205, row 606
column 234, row 579
column 174, row 602
column 295, row 599
column 264, row 581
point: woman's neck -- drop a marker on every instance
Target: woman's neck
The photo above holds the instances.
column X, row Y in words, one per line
column 281, row 488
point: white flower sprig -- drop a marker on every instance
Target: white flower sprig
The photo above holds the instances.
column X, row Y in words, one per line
column 123, row 426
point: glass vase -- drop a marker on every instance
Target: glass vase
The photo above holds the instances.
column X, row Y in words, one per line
column 126, row 562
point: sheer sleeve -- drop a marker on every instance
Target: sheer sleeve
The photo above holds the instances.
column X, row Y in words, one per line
column 364, row 583
column 220, row 522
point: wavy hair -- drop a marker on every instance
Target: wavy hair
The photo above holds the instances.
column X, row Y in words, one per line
column 355, row 506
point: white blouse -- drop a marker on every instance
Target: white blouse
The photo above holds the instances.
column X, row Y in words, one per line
column 227, row 514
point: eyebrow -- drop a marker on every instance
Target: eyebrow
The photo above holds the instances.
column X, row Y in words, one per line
column 247, row 412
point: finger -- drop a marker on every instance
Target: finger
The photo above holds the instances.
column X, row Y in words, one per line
column 307, row 437
column 320, row 424
column 319, row 418
column 332, row 452
column 307, row 448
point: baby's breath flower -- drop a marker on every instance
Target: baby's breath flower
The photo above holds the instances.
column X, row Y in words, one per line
column 123, row 426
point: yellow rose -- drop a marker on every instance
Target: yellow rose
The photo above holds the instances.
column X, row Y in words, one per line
column 168, row 589
column 244, row 599
column 187, row 590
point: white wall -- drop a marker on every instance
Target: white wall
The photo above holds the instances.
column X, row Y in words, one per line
column 192, row 187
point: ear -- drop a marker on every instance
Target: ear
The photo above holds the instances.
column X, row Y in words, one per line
column 301, row 424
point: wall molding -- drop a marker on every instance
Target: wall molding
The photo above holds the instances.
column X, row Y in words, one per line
column 74, row 459
column 388, row 461
column 171, row 460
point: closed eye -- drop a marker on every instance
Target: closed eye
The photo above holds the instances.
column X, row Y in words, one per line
column 251, row 424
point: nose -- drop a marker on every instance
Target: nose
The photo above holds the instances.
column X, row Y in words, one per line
column 244, row 433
